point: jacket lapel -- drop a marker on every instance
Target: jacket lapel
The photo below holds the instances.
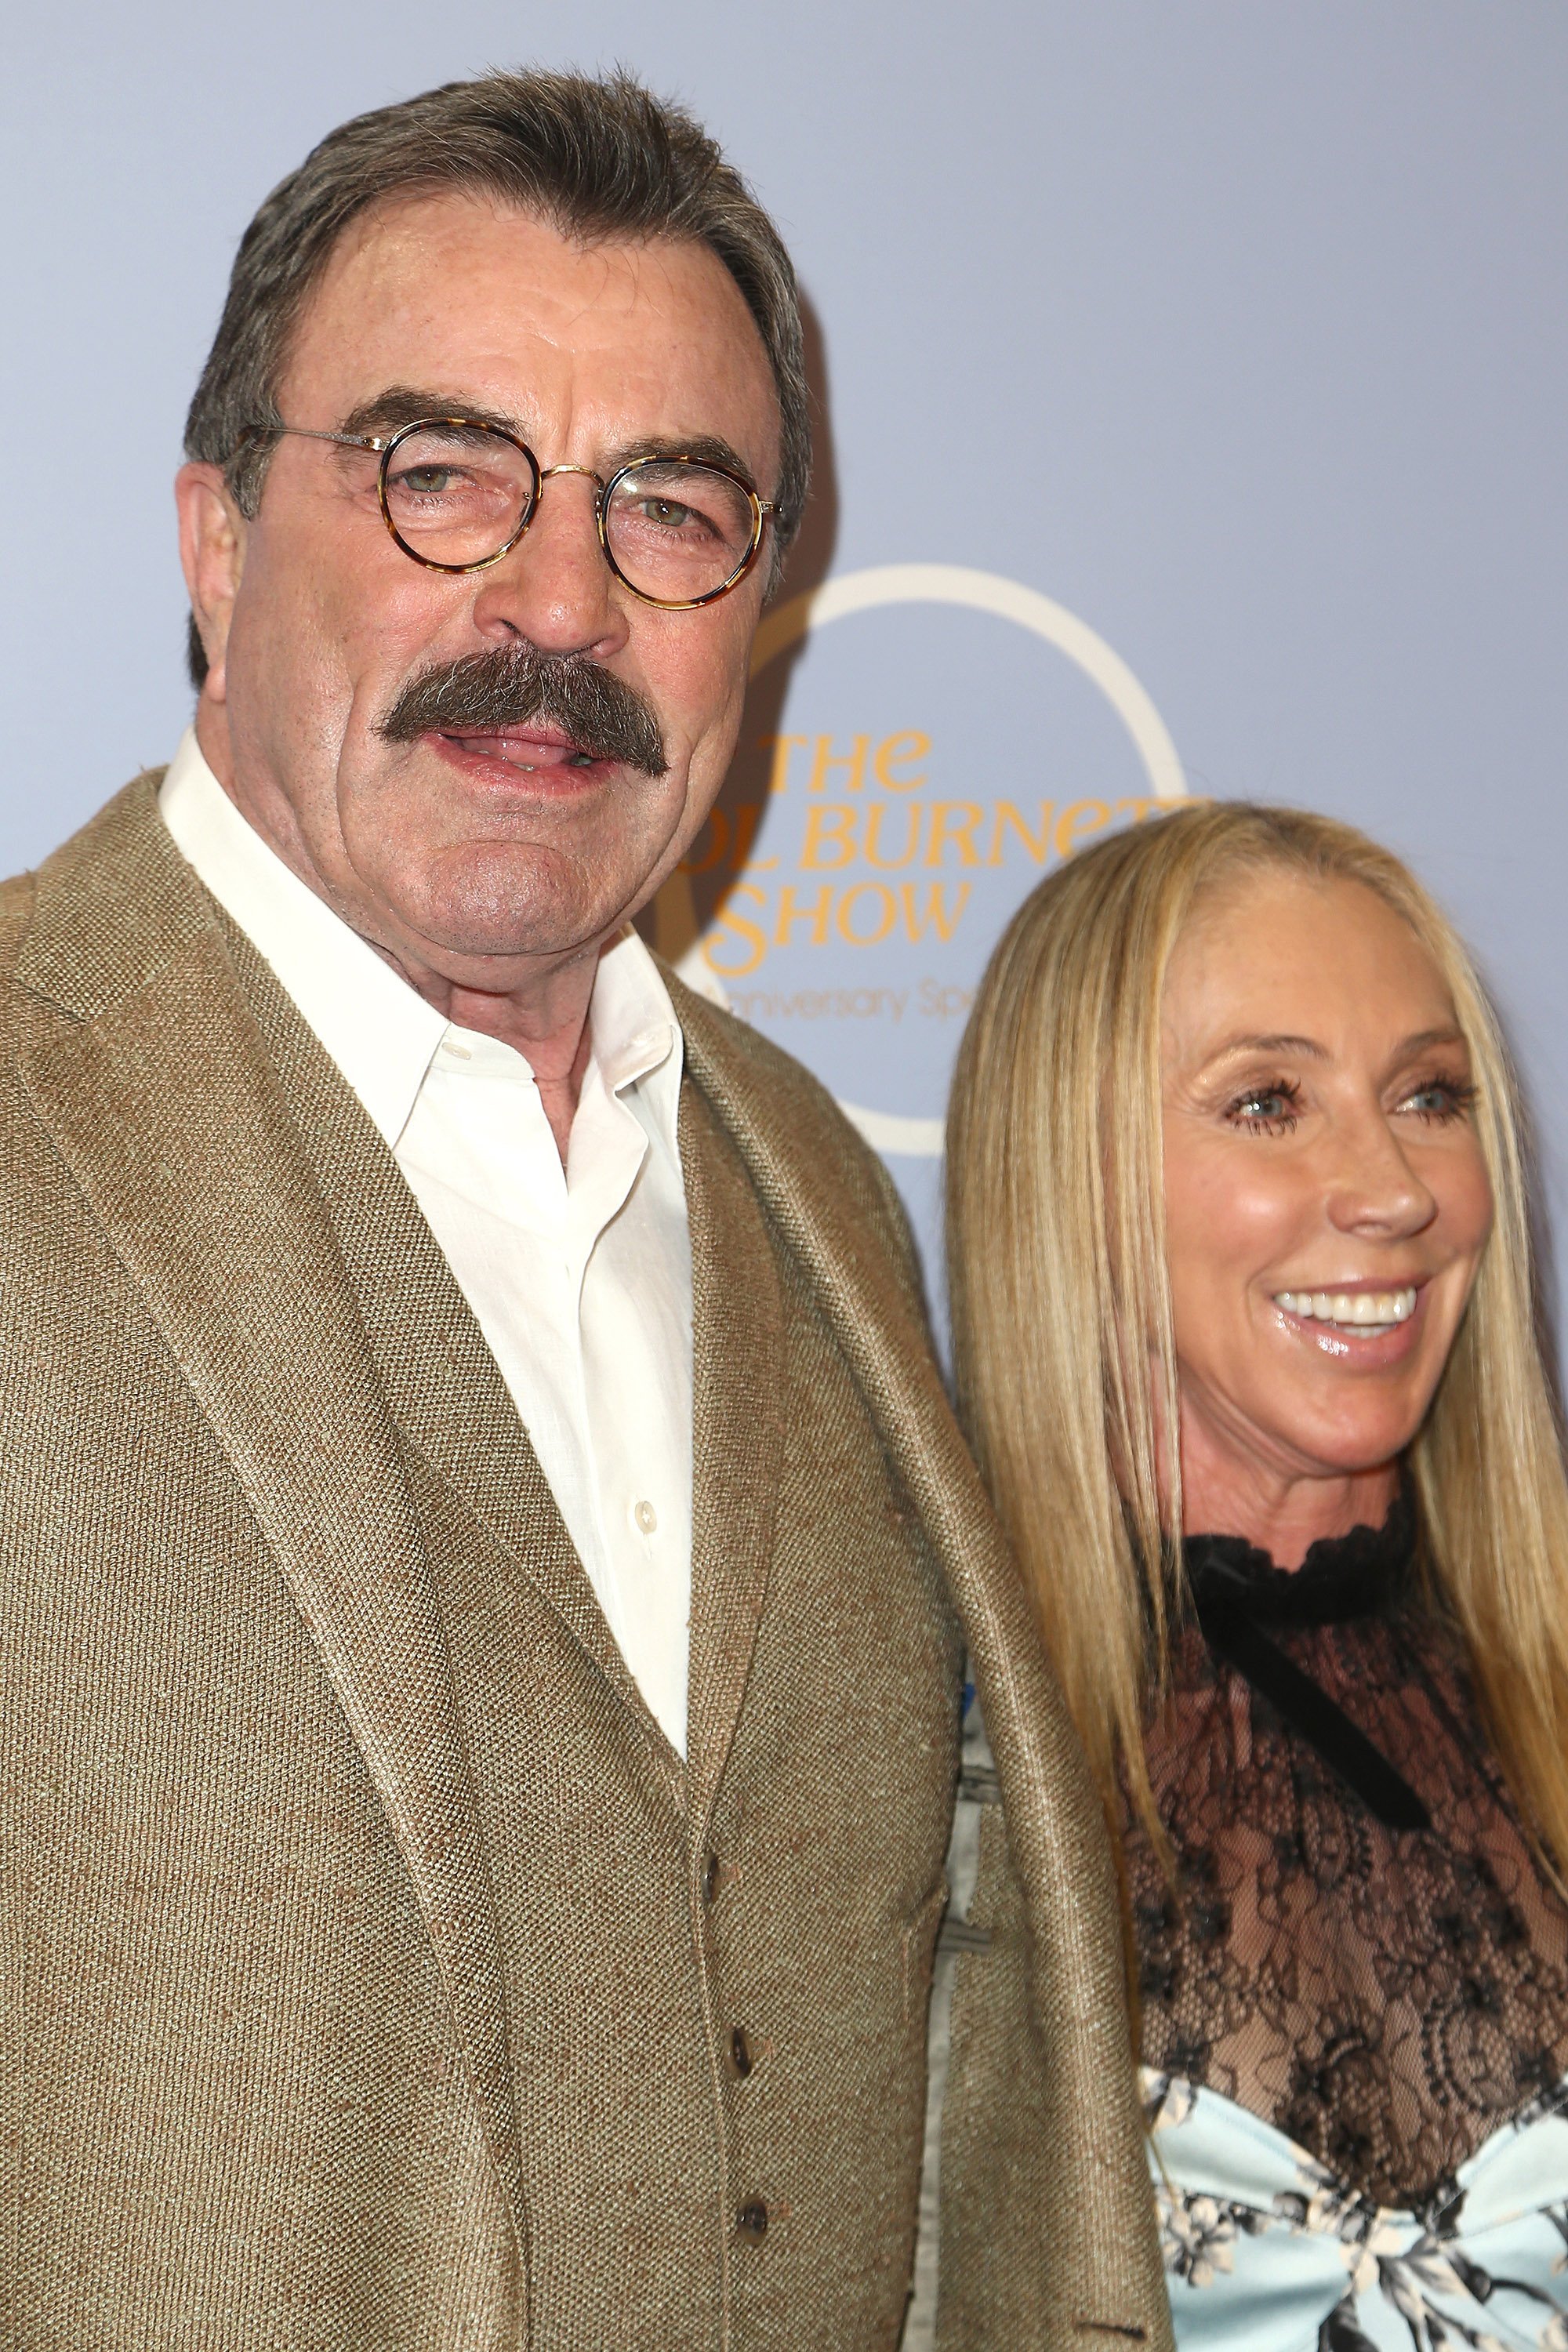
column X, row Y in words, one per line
column 138, row 1052
column 443, row 1385
column 737, row 1440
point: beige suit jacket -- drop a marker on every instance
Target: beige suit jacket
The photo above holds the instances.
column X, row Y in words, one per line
column 204, row 1369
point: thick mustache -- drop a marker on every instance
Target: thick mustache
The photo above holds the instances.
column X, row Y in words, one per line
column 486, row 694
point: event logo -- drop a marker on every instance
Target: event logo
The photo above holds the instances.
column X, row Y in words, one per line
column 852, row 879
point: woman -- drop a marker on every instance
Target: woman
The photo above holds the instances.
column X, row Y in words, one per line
column 1239, row 1245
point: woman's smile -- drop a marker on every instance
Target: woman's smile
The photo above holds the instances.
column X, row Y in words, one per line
column 1362, row 1326
column 1327, row 1200
column 1351, row 1306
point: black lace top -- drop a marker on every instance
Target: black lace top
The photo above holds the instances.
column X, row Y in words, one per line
column 1360, row 1949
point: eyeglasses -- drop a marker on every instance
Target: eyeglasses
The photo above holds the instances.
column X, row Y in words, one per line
column 458, row 494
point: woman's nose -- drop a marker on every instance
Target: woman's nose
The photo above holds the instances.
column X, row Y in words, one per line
column 1374, row 1188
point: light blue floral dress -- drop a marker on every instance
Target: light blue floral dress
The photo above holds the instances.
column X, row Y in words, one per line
column 1265, row 2251
column 1355, row 1999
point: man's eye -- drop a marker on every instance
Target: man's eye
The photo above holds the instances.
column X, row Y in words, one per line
column 427, row 481
column 667, row 513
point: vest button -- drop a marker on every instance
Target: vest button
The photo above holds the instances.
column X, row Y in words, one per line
column 752, row 2222
column 741, row 2052
column 712, row 1877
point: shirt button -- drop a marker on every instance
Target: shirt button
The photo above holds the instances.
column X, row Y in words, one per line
column 647, row 1517
column 751, row 2221
column 741, row 2053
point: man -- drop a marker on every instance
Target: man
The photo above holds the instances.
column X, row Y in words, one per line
column 488, row 1554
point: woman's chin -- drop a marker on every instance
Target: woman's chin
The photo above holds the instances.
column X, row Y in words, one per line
column 1339, row 1447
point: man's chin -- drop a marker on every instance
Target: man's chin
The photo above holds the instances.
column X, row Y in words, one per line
column 497, row 905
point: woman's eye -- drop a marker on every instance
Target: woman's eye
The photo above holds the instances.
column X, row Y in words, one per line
column 1266, row 1111
column 1440, row 1100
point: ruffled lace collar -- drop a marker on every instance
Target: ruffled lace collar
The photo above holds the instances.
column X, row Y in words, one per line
column 1365, row 1573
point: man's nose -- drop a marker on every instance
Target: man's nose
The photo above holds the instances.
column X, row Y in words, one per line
column 554, row 587
column 1375, row 1191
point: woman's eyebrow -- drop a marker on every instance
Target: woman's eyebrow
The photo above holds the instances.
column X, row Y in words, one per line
column 1420, row 1041
column 1277, row 1044
column 1423, row 1040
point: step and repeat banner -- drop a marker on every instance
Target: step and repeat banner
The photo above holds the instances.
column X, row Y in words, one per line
column 1190, row 389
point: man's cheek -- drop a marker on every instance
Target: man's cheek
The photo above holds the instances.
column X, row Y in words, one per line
column 710, row 746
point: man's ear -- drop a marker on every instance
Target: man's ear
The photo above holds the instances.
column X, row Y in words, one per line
column 211, row 555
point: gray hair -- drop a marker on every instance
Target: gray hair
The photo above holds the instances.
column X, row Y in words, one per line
column 596, row 156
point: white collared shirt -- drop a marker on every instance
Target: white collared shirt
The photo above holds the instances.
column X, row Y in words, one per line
column 580, row 1276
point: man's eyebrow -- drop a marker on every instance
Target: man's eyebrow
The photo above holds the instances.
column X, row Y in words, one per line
column 705, row 446
column 403, row 404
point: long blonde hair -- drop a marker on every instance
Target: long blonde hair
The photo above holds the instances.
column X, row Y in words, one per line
column 1060, row 1299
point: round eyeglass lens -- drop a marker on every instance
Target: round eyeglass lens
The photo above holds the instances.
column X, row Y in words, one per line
column 458, row 494
column 678, row 531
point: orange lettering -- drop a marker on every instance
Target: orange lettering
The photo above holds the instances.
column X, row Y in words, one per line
column 874, row 815
column 915, row 746
column 829, row 826
column 954, row 821
column 1076, row 822
column 790, row 914
column 933, row 915
column 852, row 761
column 753, row 940
column 783, row 746
column 887, row 918
column 747, row 816
column 1009, row 816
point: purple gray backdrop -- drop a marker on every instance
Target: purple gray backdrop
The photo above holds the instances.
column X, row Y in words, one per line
column 1195, row 407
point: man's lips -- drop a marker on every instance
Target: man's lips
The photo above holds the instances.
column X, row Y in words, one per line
column 526, row 748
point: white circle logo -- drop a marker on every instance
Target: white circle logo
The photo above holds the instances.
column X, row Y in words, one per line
column 980, row 592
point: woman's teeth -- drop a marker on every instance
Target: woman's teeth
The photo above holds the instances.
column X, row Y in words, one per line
column 1360, row 1311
